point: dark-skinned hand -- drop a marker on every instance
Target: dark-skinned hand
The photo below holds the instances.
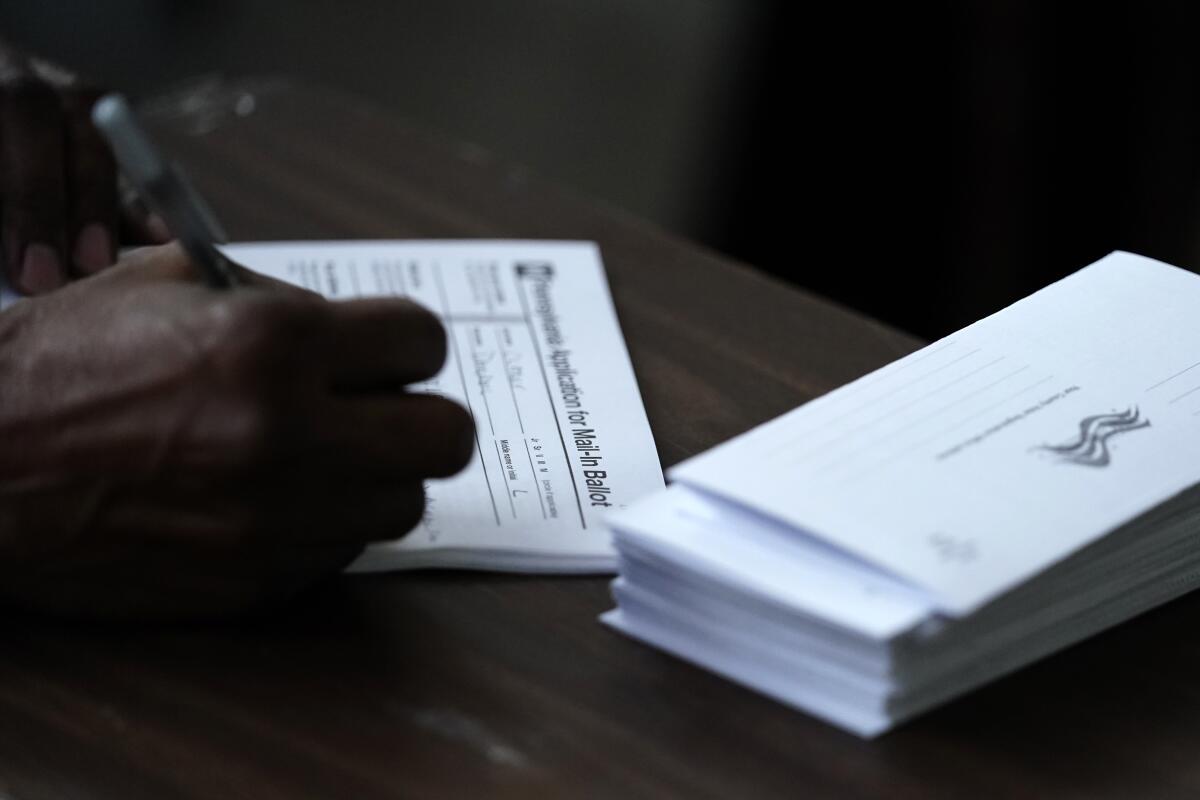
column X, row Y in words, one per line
column 60, row 213
column 173, row 451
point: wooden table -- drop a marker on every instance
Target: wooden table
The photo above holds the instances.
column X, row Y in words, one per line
column 470, row 685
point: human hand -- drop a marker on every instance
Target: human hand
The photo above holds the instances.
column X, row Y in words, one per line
column 172, row 450
column 59, row 210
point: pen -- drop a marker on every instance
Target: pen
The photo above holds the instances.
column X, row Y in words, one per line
column 165, row 189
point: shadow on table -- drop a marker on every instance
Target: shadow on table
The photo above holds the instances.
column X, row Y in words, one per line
column 328, row 697
column 1109, row 717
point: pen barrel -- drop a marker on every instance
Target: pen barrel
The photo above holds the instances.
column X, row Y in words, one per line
column 193, row 224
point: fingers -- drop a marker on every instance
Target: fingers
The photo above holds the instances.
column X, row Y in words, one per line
column 370, row 345
column 58, row 182
column 383, row 343
column 33, row 188
column 361, row 512
column 90, row 173
column 398, row 437
column 91, row 176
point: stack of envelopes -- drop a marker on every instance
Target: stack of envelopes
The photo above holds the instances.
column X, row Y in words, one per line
column 999, row 495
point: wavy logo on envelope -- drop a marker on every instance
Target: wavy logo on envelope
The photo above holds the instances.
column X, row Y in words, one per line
column 1090, row 447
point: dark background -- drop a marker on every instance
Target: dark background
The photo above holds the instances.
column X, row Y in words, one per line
column 927, row 164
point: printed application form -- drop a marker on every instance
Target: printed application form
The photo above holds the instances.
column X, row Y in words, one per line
column 534, row 351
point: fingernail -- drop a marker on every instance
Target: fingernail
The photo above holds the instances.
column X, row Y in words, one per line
column 93, row 248
column 40, row 270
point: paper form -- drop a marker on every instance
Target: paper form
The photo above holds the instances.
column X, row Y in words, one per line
column 969, row 466
column 536, row 354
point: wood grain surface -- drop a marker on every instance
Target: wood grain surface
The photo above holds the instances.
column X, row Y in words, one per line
column 472, row 685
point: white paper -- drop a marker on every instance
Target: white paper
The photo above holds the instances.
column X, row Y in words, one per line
column 954, row 468
column 536, row 354
column 730, row 546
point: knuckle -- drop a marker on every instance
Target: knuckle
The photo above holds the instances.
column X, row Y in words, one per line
column 252, row 332
column 246, row 416
column 234, row 334
column 253, row 349
column 240, row 434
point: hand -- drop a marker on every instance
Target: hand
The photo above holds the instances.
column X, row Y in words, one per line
column 171, row 450
column 59, row 209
